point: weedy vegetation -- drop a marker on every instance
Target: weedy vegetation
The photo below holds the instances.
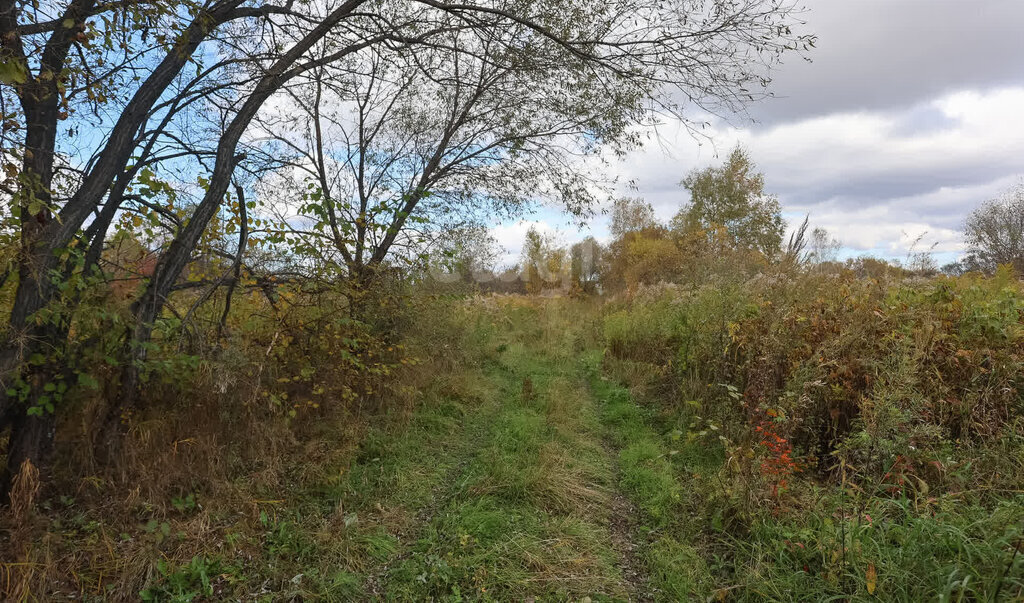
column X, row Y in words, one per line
column 258, row 345
column 736, row 426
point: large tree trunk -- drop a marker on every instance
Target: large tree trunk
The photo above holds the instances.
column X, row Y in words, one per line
column 42, row 236
column 31, row 441
column 32, row 434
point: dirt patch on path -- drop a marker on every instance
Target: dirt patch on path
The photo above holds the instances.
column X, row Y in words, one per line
column 622, row 531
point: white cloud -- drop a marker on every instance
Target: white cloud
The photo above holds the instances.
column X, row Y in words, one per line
column 510, row 238
column 875, row 179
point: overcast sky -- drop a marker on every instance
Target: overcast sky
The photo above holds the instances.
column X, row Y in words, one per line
column 910, row 113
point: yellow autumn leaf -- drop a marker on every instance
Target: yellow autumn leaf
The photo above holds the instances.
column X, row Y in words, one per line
column 872, row 578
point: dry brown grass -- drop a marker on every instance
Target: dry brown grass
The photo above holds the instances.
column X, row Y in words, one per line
column 565, row 485
column 24, row 490
column 237, row 458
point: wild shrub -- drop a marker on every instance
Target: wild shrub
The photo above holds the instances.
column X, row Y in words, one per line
column 264, row 404
column 841, row 433
column 813, row 369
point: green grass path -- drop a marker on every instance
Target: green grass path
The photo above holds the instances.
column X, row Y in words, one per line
column 530, row 475
column 530, row 478
column 527, row 511
column 550, row 486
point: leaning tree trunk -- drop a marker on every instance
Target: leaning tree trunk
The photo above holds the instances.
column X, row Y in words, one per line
column 172, row 262
column 31, row 436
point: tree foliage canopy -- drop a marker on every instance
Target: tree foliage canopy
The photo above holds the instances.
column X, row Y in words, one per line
column 165, row 121
column 732, row 197
column 994, row 232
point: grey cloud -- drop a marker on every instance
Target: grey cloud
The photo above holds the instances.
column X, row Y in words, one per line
column 881, row 186
column 944, row 201
column 876, row 54
column 941, row 204
column 910, row 115
column 877, row 183
column 923, row 119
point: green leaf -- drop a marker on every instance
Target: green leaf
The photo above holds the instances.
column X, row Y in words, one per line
column 13, row 72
